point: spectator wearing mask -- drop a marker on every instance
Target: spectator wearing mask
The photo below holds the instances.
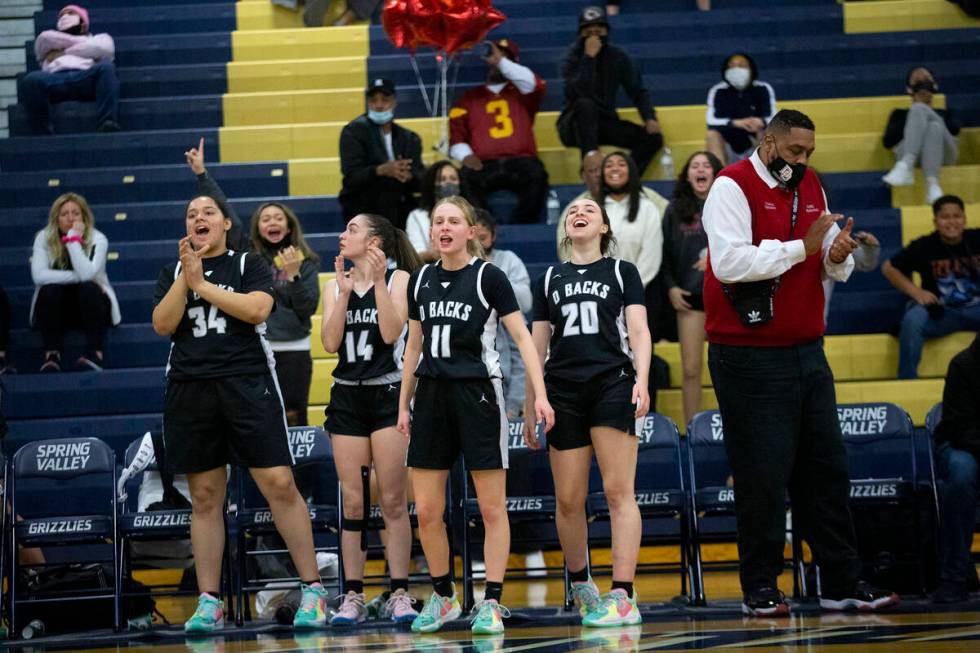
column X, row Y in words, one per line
column 957, row 458
column 441, row 179
column 381, row 161
column 921, row 134
column 685, row 260
column 739, row 108
column 511, row 365
column 75, row 66
column 491, row 130
column 591, row 173
column 593, row 71
column 948, row 263
column 71, row 288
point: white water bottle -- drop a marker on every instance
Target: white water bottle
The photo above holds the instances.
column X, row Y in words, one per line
column 554, row 207
column 667, row 164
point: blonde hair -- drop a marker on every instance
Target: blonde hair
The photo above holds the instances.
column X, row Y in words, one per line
column 56, row 248
column 473, row 245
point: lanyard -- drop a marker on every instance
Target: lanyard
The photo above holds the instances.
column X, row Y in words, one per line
column 796, row 206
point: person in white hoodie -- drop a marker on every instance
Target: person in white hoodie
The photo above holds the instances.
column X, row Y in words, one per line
column 75, row 66
column 71, row 289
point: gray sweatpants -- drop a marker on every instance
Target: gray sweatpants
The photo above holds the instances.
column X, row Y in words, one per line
column 927, row 140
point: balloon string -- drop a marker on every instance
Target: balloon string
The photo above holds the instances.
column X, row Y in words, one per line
column 418, row 78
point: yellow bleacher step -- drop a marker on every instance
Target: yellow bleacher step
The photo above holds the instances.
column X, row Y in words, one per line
column 962, row 180
column 307, row 74
column 917, row 220
column 310, row 106
column 904, row 15
column 300, row 44
column 322, row 378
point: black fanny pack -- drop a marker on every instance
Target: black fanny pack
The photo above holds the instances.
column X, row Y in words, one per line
column 753, row 300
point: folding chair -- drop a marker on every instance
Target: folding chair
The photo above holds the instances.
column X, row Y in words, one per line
column 156, row 526
column 64, row 491
column 4, row 537
column 881, row 452
column 660, row 494
column 536, row 507
column 314, row 468
column 713, row 510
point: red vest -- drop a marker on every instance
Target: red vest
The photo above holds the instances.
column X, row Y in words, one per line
column 799, row 301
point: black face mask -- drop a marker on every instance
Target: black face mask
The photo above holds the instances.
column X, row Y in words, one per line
column 925, row 85
column 787, row 174
column 75, row 30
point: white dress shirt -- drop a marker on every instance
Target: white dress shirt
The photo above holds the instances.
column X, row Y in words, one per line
column 727, row 221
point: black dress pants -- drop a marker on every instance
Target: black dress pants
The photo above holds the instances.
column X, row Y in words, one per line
column 585, row 125
column 524, row 176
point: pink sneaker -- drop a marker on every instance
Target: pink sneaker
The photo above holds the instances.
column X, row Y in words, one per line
column 399, row 607
column 351, row 612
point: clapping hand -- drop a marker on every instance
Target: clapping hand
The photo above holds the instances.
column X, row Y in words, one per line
column 190, row 262
column 344, row 282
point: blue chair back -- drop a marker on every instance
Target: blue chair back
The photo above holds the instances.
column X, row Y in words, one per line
column 708, row 461
column 64, row 477
column 933, row 417
column 880, row 446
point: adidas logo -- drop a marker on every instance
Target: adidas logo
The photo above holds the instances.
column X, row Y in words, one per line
column 755, row 316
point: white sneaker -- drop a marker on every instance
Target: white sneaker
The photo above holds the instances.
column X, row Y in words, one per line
column 900, row 175
column 534, row 561
column 933, row 190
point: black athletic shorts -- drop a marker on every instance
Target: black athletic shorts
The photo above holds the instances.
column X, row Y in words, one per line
column 362, row 409
column 209, row 423
column 606, row 400
column 450, row 416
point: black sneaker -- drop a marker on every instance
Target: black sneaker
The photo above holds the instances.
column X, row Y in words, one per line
column 52, row 363
column 950, row 591
column 765, row 602
column 862, row 597
column 109, row 126
column 90, row 362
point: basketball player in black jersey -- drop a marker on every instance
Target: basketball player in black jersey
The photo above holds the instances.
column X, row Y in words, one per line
column 364, row 315
column 590, row 311
column 223, row 404
column 451, row 370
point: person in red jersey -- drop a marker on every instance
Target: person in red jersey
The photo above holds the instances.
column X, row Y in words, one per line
column 491, row 130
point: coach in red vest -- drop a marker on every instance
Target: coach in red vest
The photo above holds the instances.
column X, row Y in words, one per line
column 771, row 241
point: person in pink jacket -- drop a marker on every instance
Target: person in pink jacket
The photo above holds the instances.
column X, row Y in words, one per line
column 75, row 66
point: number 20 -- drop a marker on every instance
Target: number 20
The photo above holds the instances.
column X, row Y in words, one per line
column 589, row 314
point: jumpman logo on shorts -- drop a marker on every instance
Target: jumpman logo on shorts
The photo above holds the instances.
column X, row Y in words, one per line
column 483, row 398
column 390, row 387
column 623, row 373
column 266, row 392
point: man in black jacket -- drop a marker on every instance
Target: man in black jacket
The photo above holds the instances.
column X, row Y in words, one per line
column 381, row 162
column 592, row 72
column 957, row 455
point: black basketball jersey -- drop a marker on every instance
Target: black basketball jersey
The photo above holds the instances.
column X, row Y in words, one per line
column 208, row 342
column 586, row 306
column 363, row 353
column 459, row 310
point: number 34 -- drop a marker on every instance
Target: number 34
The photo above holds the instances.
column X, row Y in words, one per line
column 201, row 326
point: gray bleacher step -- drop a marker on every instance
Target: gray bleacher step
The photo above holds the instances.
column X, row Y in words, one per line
column 19, row 8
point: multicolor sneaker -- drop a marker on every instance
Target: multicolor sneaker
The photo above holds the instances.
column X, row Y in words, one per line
column 863, row 596
column 438, row 610
column 615, row 609
column 585, row 595
column 209, row 616
column 351, row 611
column 312, row 611
column 765, row 602
column 488, row 617
column 399, row 607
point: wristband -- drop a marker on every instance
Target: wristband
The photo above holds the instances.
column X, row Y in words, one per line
column 71, row 239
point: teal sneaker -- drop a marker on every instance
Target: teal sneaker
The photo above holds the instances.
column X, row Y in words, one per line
column 585, row 595
column 312, row 612
column 615, row 609
column 488, row 617
column 438, row 610
column 209, row 616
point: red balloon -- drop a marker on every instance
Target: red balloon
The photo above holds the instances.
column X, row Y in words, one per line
column 449, row 25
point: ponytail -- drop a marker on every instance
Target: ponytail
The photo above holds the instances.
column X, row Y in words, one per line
column 394, row 242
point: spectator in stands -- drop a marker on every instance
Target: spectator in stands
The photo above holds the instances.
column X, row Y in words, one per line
column 71, row 289
column 381, row 161
column 948, row 263
column 277, row 235
column 511, row 365
column 921, row 134
column 440, row 180
column 315, row 11
column 958, row 455
column 685, row 259
column 635, row 219
column 5, row 367
column 591, row 173
column 739, row 108
column 237, row 238
column 770, row 375
column 491, row 130
column 592, row 72
column 75, row 65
